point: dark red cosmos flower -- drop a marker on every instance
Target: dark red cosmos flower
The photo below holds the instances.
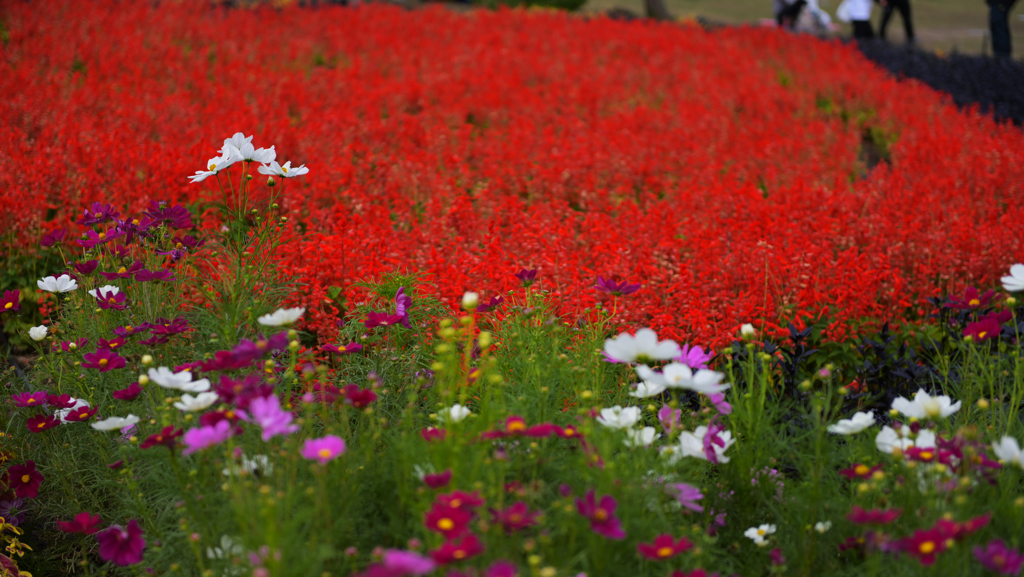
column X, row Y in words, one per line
column 615, row 289
column 437, row 480
column 224, row 361
column 601, row 515
column 11, row 303
column 457, row 550
column 123, row 272
column 957, row 531
column 527, row 277
column 167, row 437
column 346, row 350
column 490, row 305
column 251, row 350
column 99, row 213
column 515, row 517
column 130, row 394
column 971, row 299
column 999, row 558
column 873, row 516
column 983, row 330
column 176, row 216
column 88, row 267
column 83, row 413
column 112, row 344
column 122, row 545
column 154, row 275
column 129, row 330
column 859, row 471
column 83, row 522
column 65, row 346
column 60, row 401
column 925, row 544
column 664, row 547
column 382, row 320
column 53, row 237
column 213, row 417
column 448, row 521
column 459, row 500
column 168, row 327
column 188, row 242
column 357, row 397
column 36, row 399
column 116, row 464
column 111, row 300
column 25, row 480
column 155, row 340
column 103, row 359
column 92, row 238
column 40, row 423
column 431, row 434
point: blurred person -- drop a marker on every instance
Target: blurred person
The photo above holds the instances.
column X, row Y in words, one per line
column 814, row 19
column 999, row 24
column 888, row 6
column 787, row 12
column 857, row 13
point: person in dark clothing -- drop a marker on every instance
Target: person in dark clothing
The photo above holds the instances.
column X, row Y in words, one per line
column 888, row 6
column 787, row 15
column 999, row 23
column 863, row 29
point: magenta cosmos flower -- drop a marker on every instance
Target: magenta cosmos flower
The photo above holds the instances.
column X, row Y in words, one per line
column 694, row 357
column 601, row 515
column 11, row 303
column 83, row 522
column 323, row 450
column 103, row 359
column 403, row 303
column 999, row 558
column 382, row 320
column 122, row 545
column 971, row 299
column 664, row 547
column 688, row 495
column 25, row 480
column 527, row 277
column 36, row 399
column 345, row 350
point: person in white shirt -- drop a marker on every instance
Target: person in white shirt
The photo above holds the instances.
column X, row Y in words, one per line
column 858, row 13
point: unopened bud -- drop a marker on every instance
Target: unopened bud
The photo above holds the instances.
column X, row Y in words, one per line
column 470, row 300
column 147, row 360
column 271, row 181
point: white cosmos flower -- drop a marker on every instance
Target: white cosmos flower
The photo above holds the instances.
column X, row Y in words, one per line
column 232, row 149
column 113, row 423
column 1008, row 450
column 281, row 317
column 758, row 534
column 106, row 289
column 822, row 526
column 259, row 463
column 182, row 381
column 228, row 548
column 619, row 418
column 925, row 406
column 647, row 389
column 692, row 445
column 61, row 284
column 680, row 376
column 888, row 439
column 213, row 166
column 1014, row 282
column 855, row 424
column 196, row 403
column 454, row 414
column 642, row 437
column 644, row 346
column 244, row 150
column 37, row 333
column 285, row 170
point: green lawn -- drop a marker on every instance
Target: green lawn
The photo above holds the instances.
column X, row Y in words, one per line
column 942, row 25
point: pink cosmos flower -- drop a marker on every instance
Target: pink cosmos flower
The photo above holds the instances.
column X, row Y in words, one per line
column 346, row 350
column 122, row 545
column 615, row 288
column 83, row 522
column 971, row 299
column 437, row 480
column 25, row 480
column 130, row 394
column 104, row 360
column 601, row 515
column 457, row 550
column 694, row 357
column 501, row 568
column 399, row 562
column 111, row 300
column 36, row 399
column 688, row 495
column 718, row 400
column 669, row 418
column 664, row 547
column 402, row 304
column 323, row 450
column 204, row 437
column 382, row 320
column 267, row 413
column 515, row 517
column 11, row 303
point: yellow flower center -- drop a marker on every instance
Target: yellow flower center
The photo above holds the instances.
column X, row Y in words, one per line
column 516, row 426
column 861, row 469
column 515, row 518
column 212, row 167
column 926, row 548
column 159, row 438
column 446, row 524
column 459, row 554
column 31, row 400
column 324, row 453
column 41, row 425
column 26, row 478
column 455, row 503
column 111, row 300
column 761, row 532
column 568, row 432
column 926, row 455
column 103, row 362
column 128, row 328
column 982, row 334
column 974, row 302
column 284, row 169
column 600, row 514
column 103, row 235
column 665, row 552
column 177, row 245
column 120, row 270
column 135, row 221
column 9, row 306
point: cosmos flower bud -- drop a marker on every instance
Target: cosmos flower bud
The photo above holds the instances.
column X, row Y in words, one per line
column 747, row 331
column 147, row 359
column 470, row 300
column 484, row 340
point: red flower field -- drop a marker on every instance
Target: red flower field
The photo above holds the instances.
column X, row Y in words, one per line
column 725, row 171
